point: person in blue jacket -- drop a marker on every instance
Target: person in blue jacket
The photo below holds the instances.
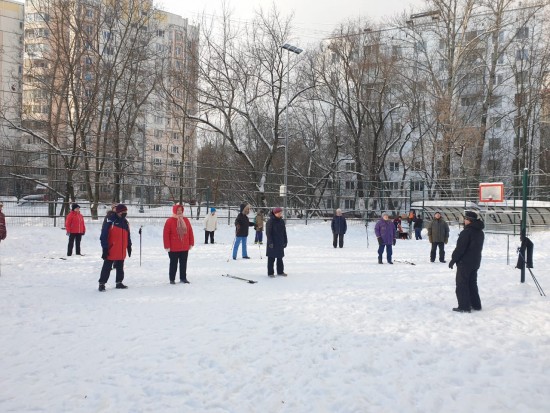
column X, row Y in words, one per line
column 385, row 234
column 339, row 228
column 275, row 231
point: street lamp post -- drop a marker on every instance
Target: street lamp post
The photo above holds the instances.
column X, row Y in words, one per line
column 289, row 48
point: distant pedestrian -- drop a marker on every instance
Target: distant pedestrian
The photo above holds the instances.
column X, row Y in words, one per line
column 339, row 228
column 111, row 212
column 385, row 234
column 259, row 227
column 178, row 240
column 467, row 257
column 210, row 225
column 275, row 231
column 417, row 225
column 75, row 227
column 115, row 241
column 438, row 234
column 242, row 223
column 3, row 229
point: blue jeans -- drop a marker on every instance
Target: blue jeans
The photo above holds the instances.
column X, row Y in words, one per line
column 239, row 240
column 418, row 233
column 389, row 251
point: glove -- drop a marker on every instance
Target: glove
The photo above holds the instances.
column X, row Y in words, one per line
column 129, row 251
column 394, row 241
column 67, row 234
column 379, row 240
column 446, row 240
column 105, row 254
column 451, row 264
column 167, row 249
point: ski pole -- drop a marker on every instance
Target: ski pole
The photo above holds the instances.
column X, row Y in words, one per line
column 541, row 291
column 232, row 246
column 140, row 245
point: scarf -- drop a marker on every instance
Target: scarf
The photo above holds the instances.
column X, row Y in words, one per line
column 181, row 227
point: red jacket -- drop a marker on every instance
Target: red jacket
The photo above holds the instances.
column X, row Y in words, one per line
column 115, row 236
column 74, row 223
column 171, row 238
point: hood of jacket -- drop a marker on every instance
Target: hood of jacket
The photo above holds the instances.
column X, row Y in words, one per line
column 175, row 209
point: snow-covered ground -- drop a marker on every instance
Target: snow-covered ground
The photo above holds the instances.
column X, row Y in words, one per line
column 340, row 334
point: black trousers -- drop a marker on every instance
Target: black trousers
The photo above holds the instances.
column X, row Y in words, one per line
column 175, row 258
column 441, row 246
column 208, row 234
column 106, row 271
column 338, row 238
column 270, row 264
column 467, row 292
column 72, row 239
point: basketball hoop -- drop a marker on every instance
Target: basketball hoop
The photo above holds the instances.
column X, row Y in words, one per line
column 491, row 192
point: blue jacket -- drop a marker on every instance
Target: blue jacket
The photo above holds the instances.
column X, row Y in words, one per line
column 339, row 225
column 385, row 230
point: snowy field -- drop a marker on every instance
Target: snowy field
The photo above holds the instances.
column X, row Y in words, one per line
column 340, row 334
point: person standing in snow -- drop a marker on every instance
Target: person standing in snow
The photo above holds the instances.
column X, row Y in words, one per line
column 385, row 234
column 115, row 241
column 259, row 227
column 339, row 228
column 74, row 224
column 178, row 240
column 275, row 231
column 417, row 225
column 438, row 234
column 210, row 225
column 242, row 223
column 3, row 229
column 111, row 213
column 467, row 257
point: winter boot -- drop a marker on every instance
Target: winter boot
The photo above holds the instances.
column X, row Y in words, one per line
column 461, row 310
column 101, row 287
column 283, row 274
column 172, row 282
column 184, row 281
column 121, row 286
column 380, row 260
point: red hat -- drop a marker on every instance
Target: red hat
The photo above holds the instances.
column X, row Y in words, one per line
column 277, row 210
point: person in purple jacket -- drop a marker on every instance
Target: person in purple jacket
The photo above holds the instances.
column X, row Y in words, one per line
column 385, row 234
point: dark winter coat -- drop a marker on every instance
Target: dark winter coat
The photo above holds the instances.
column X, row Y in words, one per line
column 275, row 230
column 339, row 225
column 418, row 223
column 115, row 237
column 385, row 230
column 242, row 223
column 438, row 231
column 3, row 230
column 467, row 253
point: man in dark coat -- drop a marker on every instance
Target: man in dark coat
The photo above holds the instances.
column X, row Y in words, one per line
column 467, row 257
column 438, row 234
column 275, row 231
column 242, row 223
column 339, row 228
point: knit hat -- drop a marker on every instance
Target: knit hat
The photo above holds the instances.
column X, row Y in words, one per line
column 277, row 210
column 75, row 206
column 120, row 208
column 212, row 209
column 471, row 215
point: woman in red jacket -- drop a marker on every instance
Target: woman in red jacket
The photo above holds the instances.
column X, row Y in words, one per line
column 178, row 240
column 74, row 224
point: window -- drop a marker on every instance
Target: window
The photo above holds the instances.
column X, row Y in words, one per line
column 330, row 184
column 158, row 133
column 157, row 161
column 522, row 33
column 329, row 204
column 492, row 165
column 441, row 44
column 349, row 204
column 175, row 135
column 500, row 79
column 394, row 166
column 178, row 51
column 468, row 101
column 417, row 166
column 160, row 33
column 500, row 59
column 350, row 166
column 350, row 185
column 88, row 61
column 396, row 51
column 158, row 119
column 520, row 99
column 469, row 36
column 157, row 148
column 521, row 77
column 397, row 128
column 175, row 149
column 417, row 185
column 173, row 177
column 496, row 102
column 106, row 36
column 442, row 65
column 494, row 144
column 496, row 123
column 501, row 36
column 89, row 13
column 522, row 54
